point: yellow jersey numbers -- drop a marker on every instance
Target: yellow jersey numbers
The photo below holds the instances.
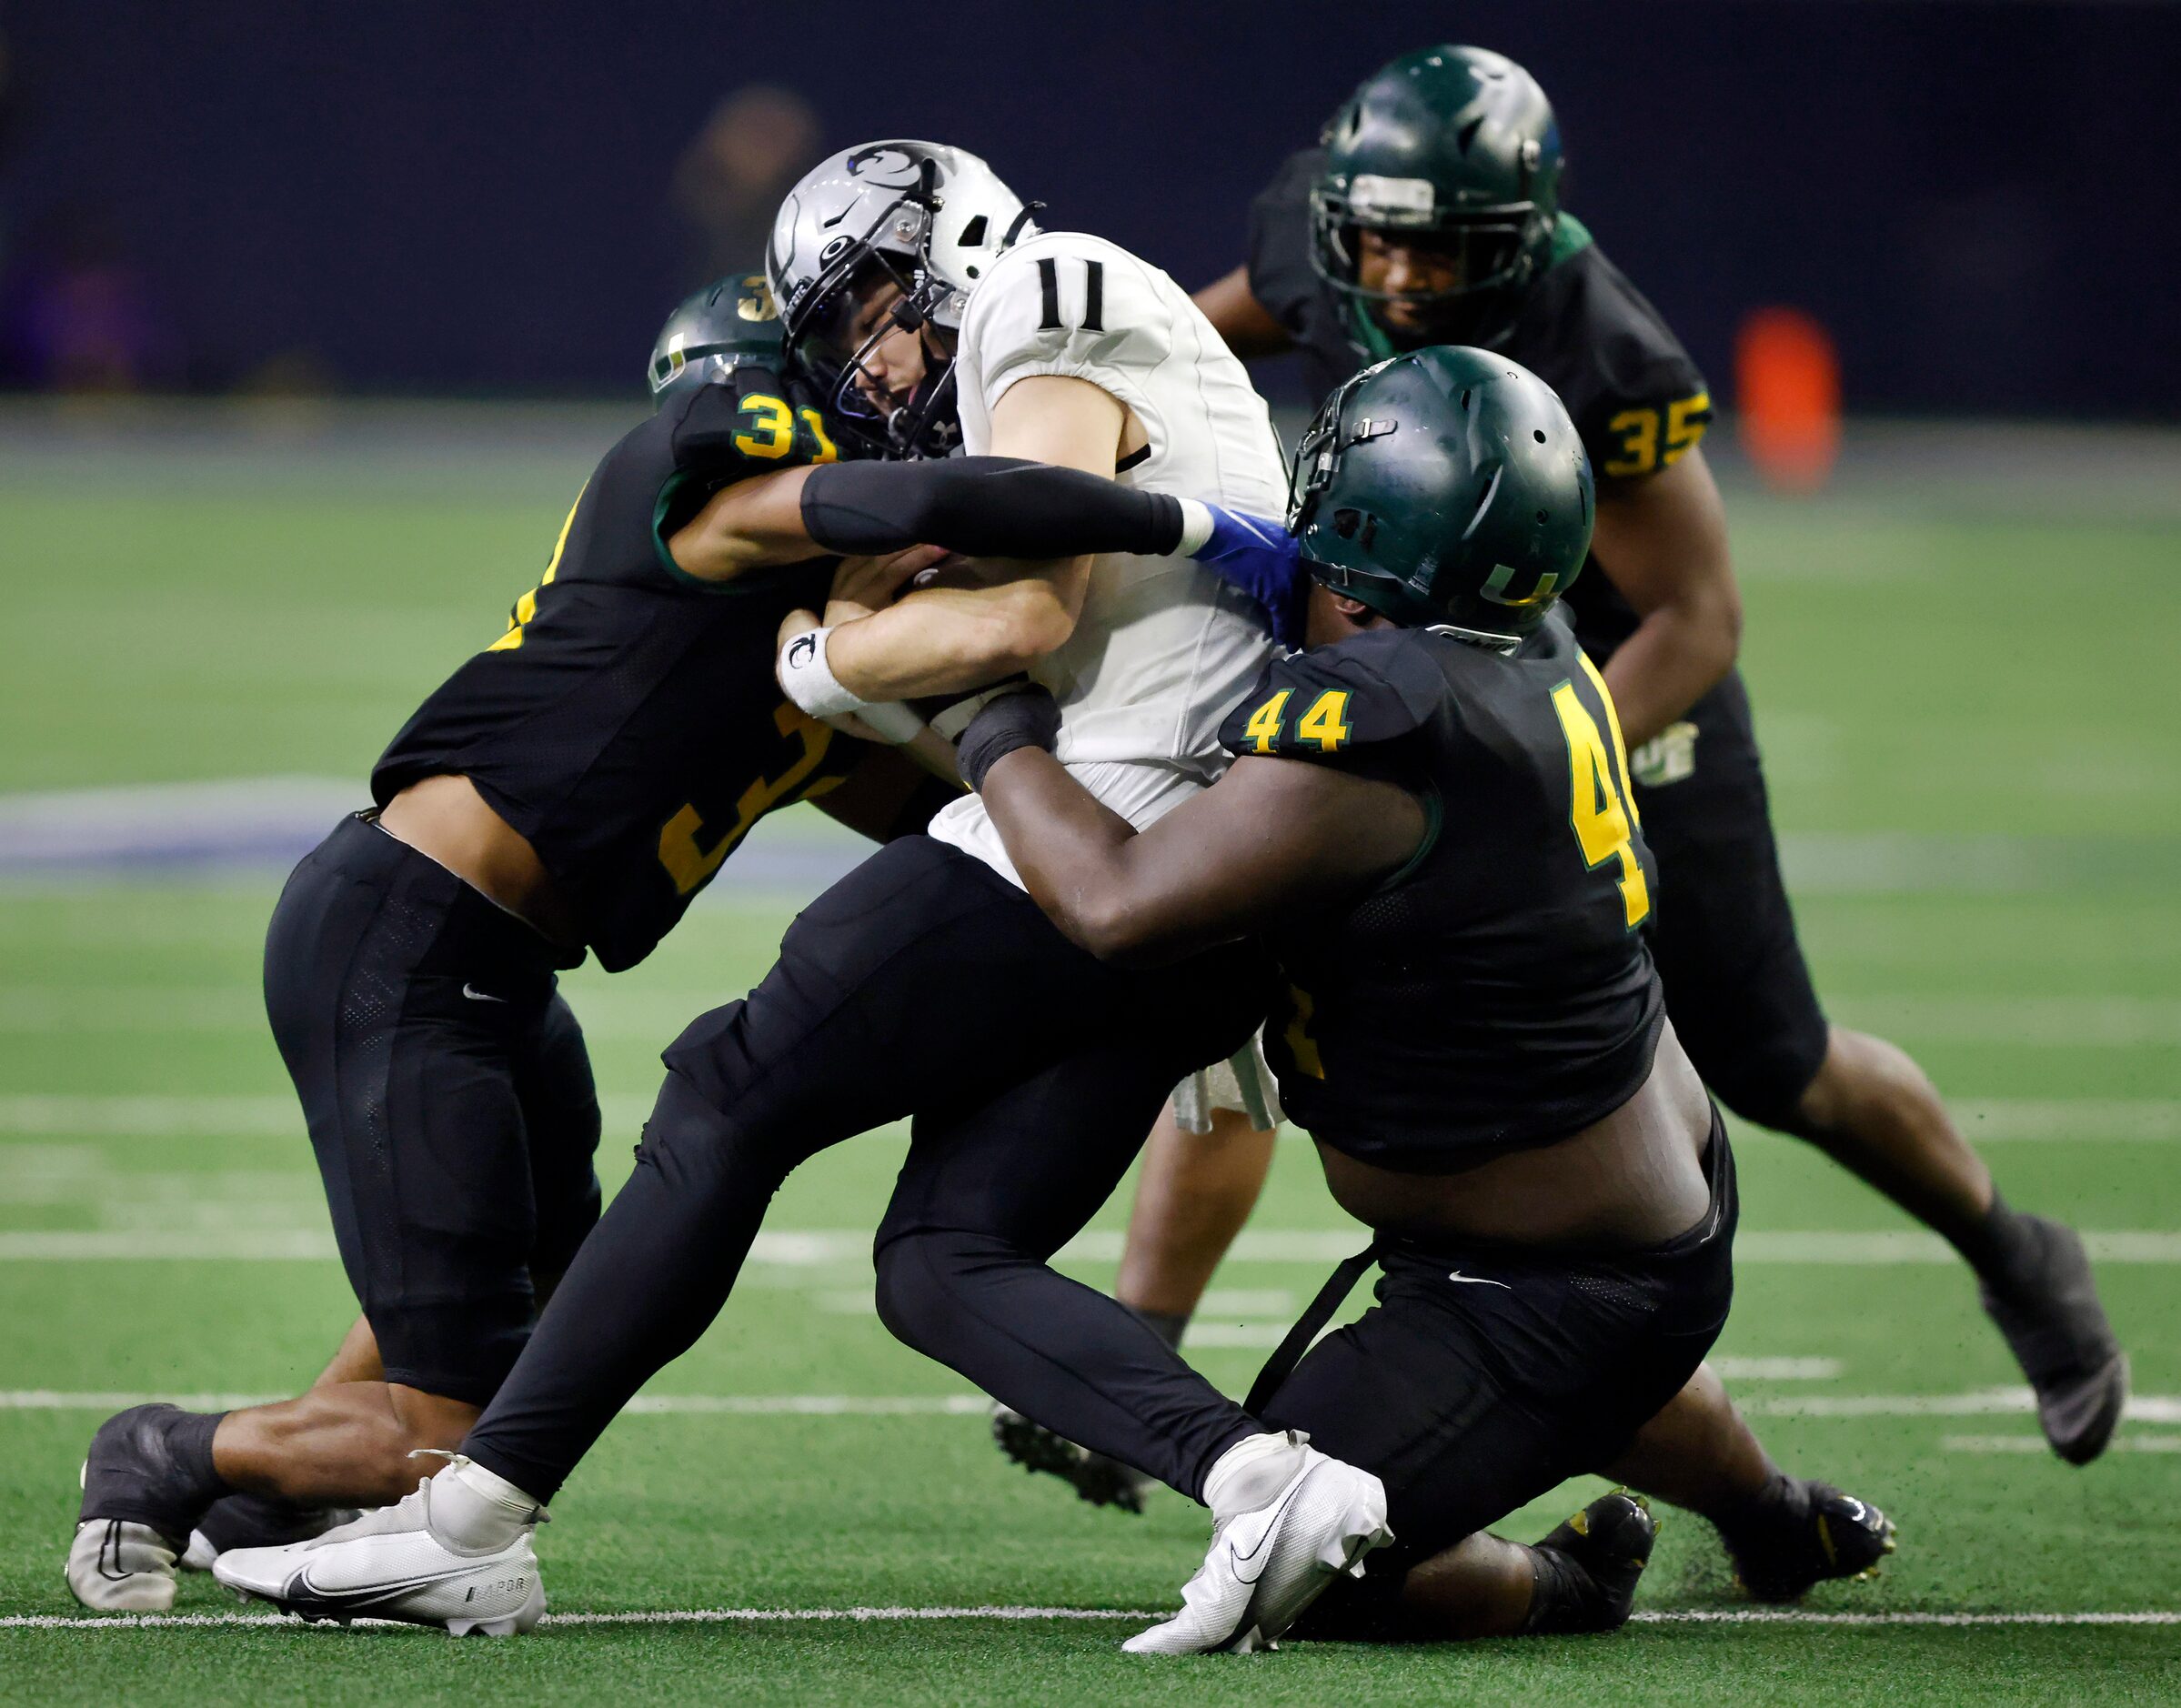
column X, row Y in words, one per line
column 1602, row 810
column 1652, row 439
column 1301, row 1047
column 771, row 432
column 1263, row 727
column 1323, row 724
column 690, row 857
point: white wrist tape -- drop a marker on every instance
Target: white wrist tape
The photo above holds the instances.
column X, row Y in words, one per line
column 1196, row 526
column 890, row 721
column 809, row 679
column 811, row 685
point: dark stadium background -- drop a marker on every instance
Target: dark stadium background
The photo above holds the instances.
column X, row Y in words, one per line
column 1979, row 201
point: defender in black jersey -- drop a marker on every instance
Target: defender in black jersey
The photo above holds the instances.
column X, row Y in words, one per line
column 1430, row 212
column 1429, row 820
column 572, row 786
column 569, row 790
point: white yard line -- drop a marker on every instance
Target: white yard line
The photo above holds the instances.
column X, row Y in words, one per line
column 2035, row 1444
column 845, row 1249
column 2143, row 1407
column 872, row 1615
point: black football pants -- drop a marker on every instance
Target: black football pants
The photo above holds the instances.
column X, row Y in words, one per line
column 921, row 985
column 449, row 1097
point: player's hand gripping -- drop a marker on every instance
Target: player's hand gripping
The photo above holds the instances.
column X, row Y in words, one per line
column 862, row 585
column 1261, row 559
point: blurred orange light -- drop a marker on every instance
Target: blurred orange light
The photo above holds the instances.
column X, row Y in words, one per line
column 1787, row 382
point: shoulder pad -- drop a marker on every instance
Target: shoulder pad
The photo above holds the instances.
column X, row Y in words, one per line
column 750, row 423
column 1369, row 689
column 1638, row 399
column 1064, row 303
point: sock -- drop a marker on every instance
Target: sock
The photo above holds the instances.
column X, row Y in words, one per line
column 1252, row 1472
column 189, row 1436
column 1764, row 1507
column 1168, row 1325
column 1556, row 1596
column 2001, row 1245
column 478, row 1510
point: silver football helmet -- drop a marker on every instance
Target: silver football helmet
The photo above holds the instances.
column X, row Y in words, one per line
column 930, row 217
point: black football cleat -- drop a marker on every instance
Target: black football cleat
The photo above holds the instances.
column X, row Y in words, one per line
column 1588, row 1568
column 141, row 1501
column 2049, row 1311
column 1804, row 1534
column 1095, row 1478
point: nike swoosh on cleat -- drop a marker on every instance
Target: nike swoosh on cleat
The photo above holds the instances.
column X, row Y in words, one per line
column 304, row 1596
column 476, row 994
column 1286, row 1501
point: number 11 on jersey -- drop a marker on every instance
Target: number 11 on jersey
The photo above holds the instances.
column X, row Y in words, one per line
column 1602, row 812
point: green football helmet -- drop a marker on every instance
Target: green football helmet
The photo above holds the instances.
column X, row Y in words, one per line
column 714, row 331
column 1445, row 489
column 1455, row 143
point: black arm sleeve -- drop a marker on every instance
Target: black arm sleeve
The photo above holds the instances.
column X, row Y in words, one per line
column 984, row 507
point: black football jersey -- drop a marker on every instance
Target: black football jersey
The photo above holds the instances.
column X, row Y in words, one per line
column 1497, row 992
column 628, row 724
column 1637, row 400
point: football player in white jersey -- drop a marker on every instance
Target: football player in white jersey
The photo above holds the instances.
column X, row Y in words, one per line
column 927, row 984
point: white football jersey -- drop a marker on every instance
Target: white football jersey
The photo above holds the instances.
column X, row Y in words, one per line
column 1164, row 648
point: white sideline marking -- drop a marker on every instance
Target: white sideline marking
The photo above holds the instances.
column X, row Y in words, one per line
column 2038, row 1445
column 2142, row 1408
column 864, row 1615
column 816, row 1247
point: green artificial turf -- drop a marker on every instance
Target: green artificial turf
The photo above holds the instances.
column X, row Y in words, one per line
column 1978, row 784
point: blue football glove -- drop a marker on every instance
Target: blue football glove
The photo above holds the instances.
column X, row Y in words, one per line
column 1262, row 559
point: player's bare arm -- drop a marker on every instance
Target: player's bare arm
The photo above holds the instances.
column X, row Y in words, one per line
column 1271, row 837
column 1249, row 327
column 1662, row 541
column 945, row 639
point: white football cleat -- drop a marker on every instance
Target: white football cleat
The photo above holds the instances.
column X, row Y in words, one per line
column 1269, row 1563
column 391, row 1564
column 118, row 1567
